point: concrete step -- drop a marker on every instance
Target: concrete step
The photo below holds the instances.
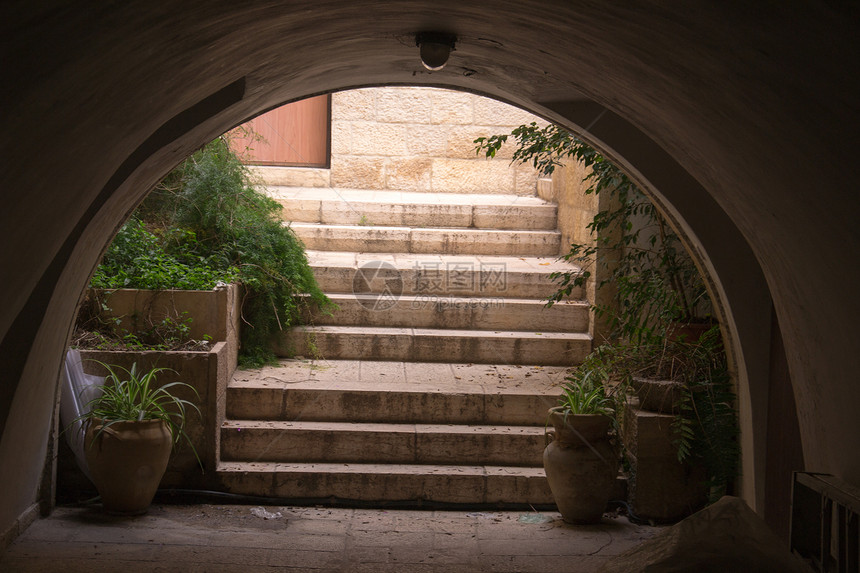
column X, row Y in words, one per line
column 441, row 275
column 395, row 392
column 434, row 345
column 415, row 483
column 449, row 241
column 439, row 413
column 408, row 209
column 348, row 442
column 434, row 311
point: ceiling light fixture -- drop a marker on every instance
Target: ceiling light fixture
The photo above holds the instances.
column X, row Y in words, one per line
column 435, row 47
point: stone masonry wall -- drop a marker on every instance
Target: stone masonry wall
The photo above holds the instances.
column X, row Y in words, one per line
column 575, row 211
column 416, row 139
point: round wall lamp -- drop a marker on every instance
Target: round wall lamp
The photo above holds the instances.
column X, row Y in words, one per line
column 435, row 47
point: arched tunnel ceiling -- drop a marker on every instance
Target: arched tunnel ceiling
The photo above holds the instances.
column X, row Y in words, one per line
column 704, row 84
column 756, row 103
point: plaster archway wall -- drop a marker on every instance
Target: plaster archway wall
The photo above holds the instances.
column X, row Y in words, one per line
column 741, row 120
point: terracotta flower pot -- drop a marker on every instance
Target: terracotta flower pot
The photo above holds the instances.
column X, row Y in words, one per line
column 581, row 465
column 657, row 395
column 127, row 461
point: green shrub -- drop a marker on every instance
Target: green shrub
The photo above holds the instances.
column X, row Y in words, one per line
column 137, row 259
column 205, row 223
column 705, row 425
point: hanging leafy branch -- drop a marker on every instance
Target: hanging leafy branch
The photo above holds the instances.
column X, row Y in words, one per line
column 656, row 281
column 657, row 285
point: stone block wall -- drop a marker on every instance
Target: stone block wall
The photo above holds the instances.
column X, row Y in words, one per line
column 660, row 487
column 416, row 139
column 575, row 211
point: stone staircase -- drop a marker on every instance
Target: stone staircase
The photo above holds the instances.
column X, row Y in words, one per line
column 431, row 381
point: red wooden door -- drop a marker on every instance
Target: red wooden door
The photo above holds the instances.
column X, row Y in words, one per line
column 296, row 134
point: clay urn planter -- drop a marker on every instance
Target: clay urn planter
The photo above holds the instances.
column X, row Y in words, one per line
column 127, row 461
column 130, row 431
column 581, row 464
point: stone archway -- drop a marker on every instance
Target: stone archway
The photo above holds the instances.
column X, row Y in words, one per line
column 708, row 110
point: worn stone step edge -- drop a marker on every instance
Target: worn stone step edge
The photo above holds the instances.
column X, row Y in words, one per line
column 387, row 405
column 446, row 275
column 335, row 211
column 444, row 283
column 356, row 238
column 469, row 484
column 412, row 261
column 392, row 309
column 407, row 377
column 434, row 345
column 350, row 195
column 301, row 441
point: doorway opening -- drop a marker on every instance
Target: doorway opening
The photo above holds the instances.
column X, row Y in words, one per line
column 407, row 203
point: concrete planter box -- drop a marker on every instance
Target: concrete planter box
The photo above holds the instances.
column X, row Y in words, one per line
column 214, row 313
column 657, row 395
column 208, row 373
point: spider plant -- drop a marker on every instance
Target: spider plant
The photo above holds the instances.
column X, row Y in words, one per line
column 585, row 393
column 130, row 394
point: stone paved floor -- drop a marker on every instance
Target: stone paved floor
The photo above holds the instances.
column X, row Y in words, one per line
column 231, row 538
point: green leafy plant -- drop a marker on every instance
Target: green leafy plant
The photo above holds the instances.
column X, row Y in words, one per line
column 207, row 215
column 132, row 395
column 585, row 393
column 656, row 281
column 166, row 334
column 657, row 286
column 579, row 398
column 589, row 389
column 705, row 425
column 137, row 258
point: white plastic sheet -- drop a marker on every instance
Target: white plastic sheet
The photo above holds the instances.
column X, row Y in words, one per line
column 78, row 388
